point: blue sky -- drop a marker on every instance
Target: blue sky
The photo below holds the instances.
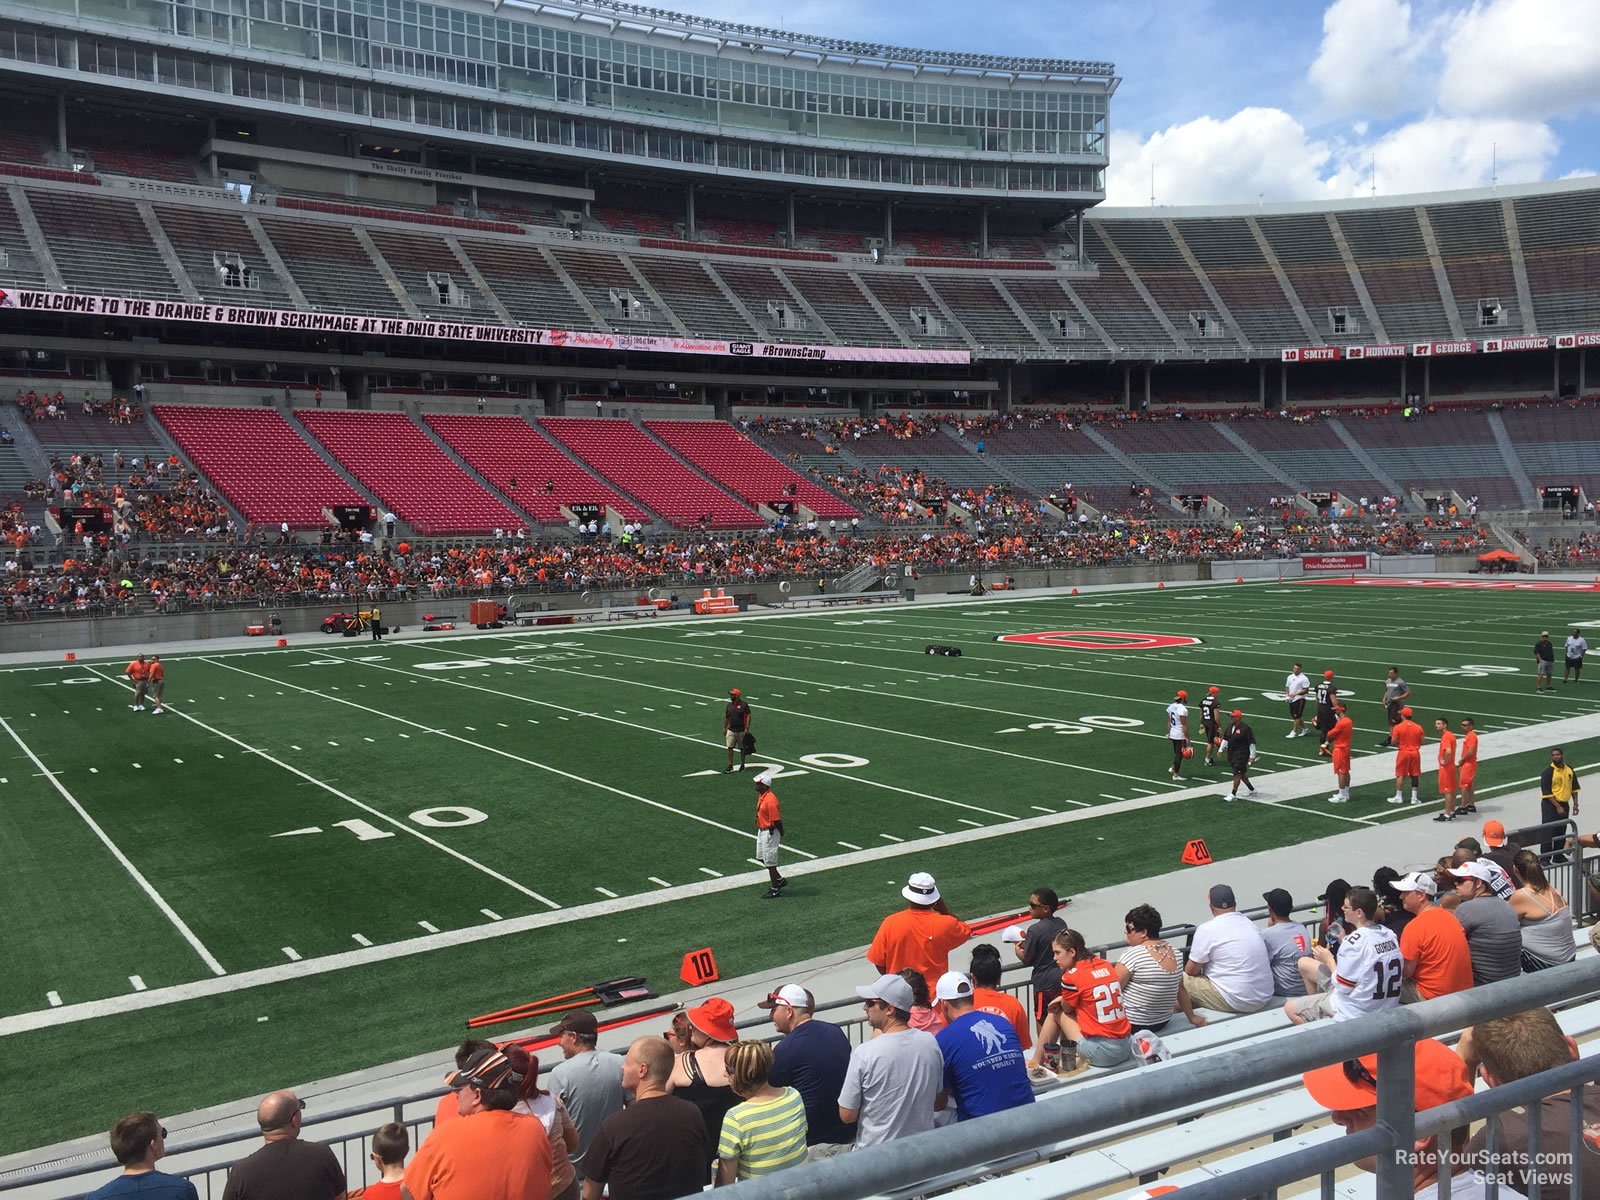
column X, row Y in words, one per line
column 1296, row 100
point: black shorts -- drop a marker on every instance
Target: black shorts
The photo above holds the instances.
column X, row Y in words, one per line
column 1393, row 708
column 1297, row 708
column 1213, row 730
column 1575, row 662
column 1041, row 1003
column 1325, row 720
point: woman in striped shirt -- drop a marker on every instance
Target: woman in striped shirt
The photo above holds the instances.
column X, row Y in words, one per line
column 1151, row 975
column 767, row 1132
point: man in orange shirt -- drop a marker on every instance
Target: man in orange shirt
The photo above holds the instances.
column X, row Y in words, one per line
column 137, row 672
column 1468, row 765
column 156, row 682
column 987, row 996
column 1447, row 769
column 1434, row 944
column 1407, row 737
column 1338, row 743
column 492, row 1153
column 921, row 935
column 769, row 836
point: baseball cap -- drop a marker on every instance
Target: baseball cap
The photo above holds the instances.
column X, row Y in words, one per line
column 1544, row 633
column 1494, row 833
column 1012, row 933
column 1477, row 869
column 581, row 1023
column 1405, row 712
column 733, row 691
column 487, row 1069
column 1221, row 896
column 1417, row 881
column 1469, row 843
column 1337, row 890
column 1279, row 901
column 953, row 985
column 892, row 990
column 921, row 889
column 1236, row 713
column 1213, row 689
column 1441, row 1077
column 763, row 779
column 714, row 1018
column 1327, row 674
column 791, row 994
column 1182, row 695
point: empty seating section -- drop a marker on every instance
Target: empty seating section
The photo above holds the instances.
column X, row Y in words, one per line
column 1558, row 445
column 840, row 303
column 332, row 268
column 902, row 293
column 1309, row 256
column 1191, row 456
column 939, row 245
column 77, row 431
column 645, row 224
column 100, row 245
column 527, row 285
column 259, row 462
column 21, row 267
column 413, row 256
column 1560, row 238
column 21, row 147
column 362, row 212
column 839, row 241
column 400, row 464
column 198, row 234
column 982, row 310
column 1154, row 258
column 689, row 292
column 1227, row 251
column 1453, row 450
column 521, row 462
column 1048, row 459
column 599, row 273
column 745, row 469
column 1121, row 311
column 1477, row 261
column 1389, row 251
column 959, row 469
column 171, row 165
column 1010, row 245
column 1311, row 454
column 1041, row 298
column 739, row 233
column 757, row 287
column 620, row 451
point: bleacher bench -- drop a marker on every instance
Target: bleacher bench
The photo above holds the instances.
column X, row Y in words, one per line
column 823, row 599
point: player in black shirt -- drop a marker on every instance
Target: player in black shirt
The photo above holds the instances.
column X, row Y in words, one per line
column 1327, row 697
column 1208, row 722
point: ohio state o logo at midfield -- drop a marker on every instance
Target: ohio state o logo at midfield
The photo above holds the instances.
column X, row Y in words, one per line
column 1100, row 639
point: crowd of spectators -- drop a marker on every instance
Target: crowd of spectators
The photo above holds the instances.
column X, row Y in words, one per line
column 1559, row 553
column 155, row 498
column 44, row 406
column 698, row 1105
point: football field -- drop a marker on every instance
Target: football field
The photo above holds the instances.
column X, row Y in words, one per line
column 327, row 856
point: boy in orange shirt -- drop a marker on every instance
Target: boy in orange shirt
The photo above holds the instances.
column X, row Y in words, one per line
column 1407, row 737
column 1447, row 769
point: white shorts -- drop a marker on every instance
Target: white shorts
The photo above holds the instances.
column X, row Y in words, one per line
column 767, row 843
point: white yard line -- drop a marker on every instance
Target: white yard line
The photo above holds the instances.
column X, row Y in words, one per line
column 145, row 885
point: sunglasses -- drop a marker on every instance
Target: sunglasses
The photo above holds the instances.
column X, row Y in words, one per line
column 1357, row 1073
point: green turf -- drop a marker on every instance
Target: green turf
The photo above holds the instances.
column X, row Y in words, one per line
column 593, row 757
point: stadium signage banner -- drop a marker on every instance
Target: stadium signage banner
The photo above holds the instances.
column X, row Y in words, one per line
column 1575, row 341
column 1313, row 354
column 1310, row 563
column 1435, row 349
column 452, row 331
column 1388, row 351
column 1496, row 345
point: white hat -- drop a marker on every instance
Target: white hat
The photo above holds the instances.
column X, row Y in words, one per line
column 764, row 780
column 1417, row 881
column 1013, row 933
column 891, row 989
column 1475, row 870
column 790, row 994
column 921, row 889
column 953, row 985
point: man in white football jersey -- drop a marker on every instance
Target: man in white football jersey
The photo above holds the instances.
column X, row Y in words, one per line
column 1368, row 973
column 1296, row 687
column 1178, row 732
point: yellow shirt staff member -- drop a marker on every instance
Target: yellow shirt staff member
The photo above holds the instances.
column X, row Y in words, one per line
column 1558, row 794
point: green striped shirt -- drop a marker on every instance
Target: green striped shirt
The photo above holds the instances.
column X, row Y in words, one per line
column 766, row 1136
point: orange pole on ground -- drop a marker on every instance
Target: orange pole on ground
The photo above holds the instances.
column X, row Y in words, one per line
column 498, row 1019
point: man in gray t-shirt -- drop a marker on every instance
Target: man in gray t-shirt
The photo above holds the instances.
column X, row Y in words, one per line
column 893, row 1081
column 1396, row 692
column 1494, row 936
column 589, row 1081
column 1287, row 943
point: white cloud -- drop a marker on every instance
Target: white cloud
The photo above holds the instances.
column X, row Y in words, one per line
column 1523, row 58
column 1368, row 59
column 1267, row 153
